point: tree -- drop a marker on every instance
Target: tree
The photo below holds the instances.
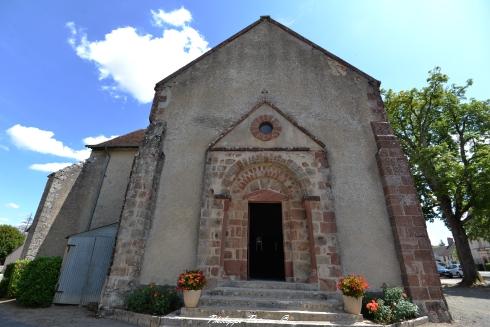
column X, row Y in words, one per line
column 447, row 140
column 10, row 239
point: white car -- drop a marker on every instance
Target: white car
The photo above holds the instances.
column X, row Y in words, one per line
column 455, row 270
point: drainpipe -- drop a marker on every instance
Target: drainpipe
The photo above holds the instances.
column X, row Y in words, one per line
column 99, row 188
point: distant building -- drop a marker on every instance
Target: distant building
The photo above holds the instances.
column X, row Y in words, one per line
column 480, row 250
column 446, row 254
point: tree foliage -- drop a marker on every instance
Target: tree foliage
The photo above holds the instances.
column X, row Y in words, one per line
column 10, row 239
column 447, row 140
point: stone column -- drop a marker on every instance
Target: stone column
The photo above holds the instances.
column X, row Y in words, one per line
column 136, row 218
column 412, row 243
column 311, row 240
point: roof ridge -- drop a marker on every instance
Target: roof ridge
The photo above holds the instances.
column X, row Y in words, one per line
column 128, row 140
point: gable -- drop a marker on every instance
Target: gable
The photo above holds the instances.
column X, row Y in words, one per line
column 268, row 20
column 266, row 127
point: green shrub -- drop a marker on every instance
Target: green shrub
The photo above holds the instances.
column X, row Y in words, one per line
column 487, row 266
column 154, row 299
column 393, row 306
column 391, row 295
column 384, row 314
column 16, row 274
column 404, row 310
column 37, row 284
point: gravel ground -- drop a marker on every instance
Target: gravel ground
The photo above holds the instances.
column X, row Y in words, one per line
column 469, row 307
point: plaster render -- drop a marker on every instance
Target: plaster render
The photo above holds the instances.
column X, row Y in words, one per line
column 329, row 99
column 111, row 198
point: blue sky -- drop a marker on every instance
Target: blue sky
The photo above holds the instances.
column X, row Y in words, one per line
column 76, row 72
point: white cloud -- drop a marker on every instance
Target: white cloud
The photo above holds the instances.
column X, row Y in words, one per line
column 4, row 147
column 12, row 205
column 92, row 140
column 178, row 17
column 38, row 140
column 134, row 62
column 50, row 167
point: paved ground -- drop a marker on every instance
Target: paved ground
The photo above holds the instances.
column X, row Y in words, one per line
column 12, row 315
column 469, row 307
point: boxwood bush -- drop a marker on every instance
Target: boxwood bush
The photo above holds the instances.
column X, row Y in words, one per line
column 37, row 284
column 154, row 299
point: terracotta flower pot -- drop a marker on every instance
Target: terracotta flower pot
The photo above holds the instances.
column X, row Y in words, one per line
column 191, row 298
column 352, row 304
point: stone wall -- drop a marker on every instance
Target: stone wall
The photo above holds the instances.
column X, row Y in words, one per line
column 57, row 188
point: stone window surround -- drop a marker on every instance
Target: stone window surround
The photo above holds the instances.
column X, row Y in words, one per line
column 257, row 122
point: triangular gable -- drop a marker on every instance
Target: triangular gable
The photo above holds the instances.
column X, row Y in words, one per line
column 284, row 28
column 286, row 134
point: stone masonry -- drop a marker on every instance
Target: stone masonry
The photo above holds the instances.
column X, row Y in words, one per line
column 135, row 222
column 297, row 179
column 419, row 273
column 57, row 189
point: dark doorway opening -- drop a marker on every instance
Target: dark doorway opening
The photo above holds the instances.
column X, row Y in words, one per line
column 265, row 245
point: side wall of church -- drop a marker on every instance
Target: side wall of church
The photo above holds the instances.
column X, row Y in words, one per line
column 113, row 190
column 332, row 101
column 93, row 199
column 58, row 186
column 76, row 211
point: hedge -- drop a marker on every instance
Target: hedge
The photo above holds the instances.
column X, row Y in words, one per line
column 37, row 284
column 9, row 286
column 4, row 283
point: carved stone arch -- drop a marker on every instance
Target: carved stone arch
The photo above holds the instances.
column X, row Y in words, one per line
column 271, row 166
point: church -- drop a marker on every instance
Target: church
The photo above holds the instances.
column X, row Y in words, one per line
column 268, row 158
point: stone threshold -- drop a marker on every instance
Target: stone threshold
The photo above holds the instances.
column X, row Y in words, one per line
column 145, row 320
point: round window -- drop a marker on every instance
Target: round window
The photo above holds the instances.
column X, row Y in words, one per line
column 266, row 128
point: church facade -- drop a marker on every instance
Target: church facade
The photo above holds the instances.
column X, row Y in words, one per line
column 269, row 158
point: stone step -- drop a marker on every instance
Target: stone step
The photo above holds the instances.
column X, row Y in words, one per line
column 270, row 303
column 270, row 293
column 290, row 315
column 268, row 285
column 169, row 320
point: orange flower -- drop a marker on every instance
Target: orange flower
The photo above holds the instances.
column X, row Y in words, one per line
column 372, row 306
